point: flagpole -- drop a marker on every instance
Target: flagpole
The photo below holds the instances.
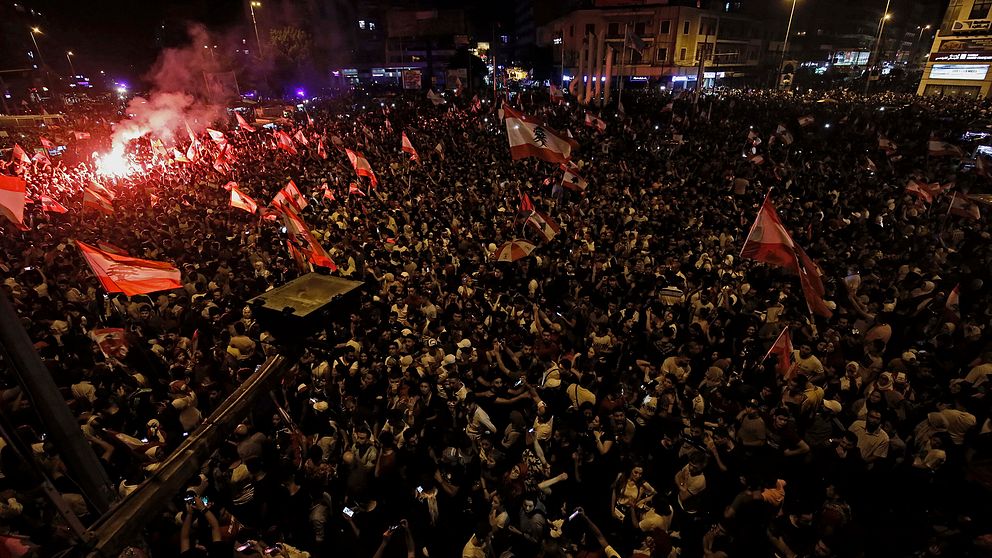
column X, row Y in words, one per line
column 623, row 65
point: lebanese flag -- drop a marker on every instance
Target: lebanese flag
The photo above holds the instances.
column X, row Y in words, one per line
column 95, row 200
column 362, row 167
column 192, row 136
column 328, row 193
column 300, row 234
column 20, row 156
column 526, row 205
column 111, row 340
column 544, row 225
column 594, row 122
column 953, row 304
column 783, row 134
column 923, row 191
column 218, row 136
column 243, row 124
column 757, row 159
column 962, row 206
column 48, row 204
column 46, row 144
column 179, row 157
column 806, row 120
column 887, row 146
column 131, row 276
column 41, row 157
column 191, row 154
column 476, row 104
column 556, row 95
column 784, row 354
column 152, row 199
column 12, row 197
column 102, row 190
column 529, row 137
column 435, row 98
column 354, row 190
column 298, row 257
column 300, row 137
column 572, row 180
column 769, row 242
column 290, row 196
column 408, row 147
column 241, row 200
column 439, row 148
column 81, row 135
column 321, row 151
column 937, row 148
column 284, row 142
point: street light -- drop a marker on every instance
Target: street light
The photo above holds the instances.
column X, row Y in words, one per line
column 785, row 43
column 68, row 56
column 878, row 41
column 252, row 4
column 920, row 38
column 35, row 30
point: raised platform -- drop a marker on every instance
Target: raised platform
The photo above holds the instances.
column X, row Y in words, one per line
column 306, row 304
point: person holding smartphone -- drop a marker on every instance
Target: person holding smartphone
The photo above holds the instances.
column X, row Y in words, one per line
column 196, row 507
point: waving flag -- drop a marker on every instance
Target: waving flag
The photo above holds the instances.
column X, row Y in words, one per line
column 925, row 192
column 300, row 137
column 290, row 196
column 806, row 120
column 887, row 146
column 526, row 205
column 439, row 148
column 243, row 124
column 962, row 206
column 769, row 242
column 407, row 146
column 241, row 200
column 544, row 225
column 362, row 166
column 20, row 156
column 354, row 190
column 572, row 180
column 321, row 150
column 529, row 137
column 49, row 204
column 304, row 240
column 179, row 156
column 101, row 189
column 937, row 148
column 435, row 98
column 594, row 122
column 218, row 136
column 953, row 304
column 93, row 199
column 12, row 196
column 782, row 350
column 328, row 193
column 46, row 144
column 284, row 142
column 557, row 96
column 632, row 41
column 131, row 276
column 81, row 135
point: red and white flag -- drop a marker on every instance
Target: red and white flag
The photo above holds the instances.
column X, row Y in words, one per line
column 328, row 193
column 783, row 134
column 529, row 137
column 526, row 205
column 571, row 179
column 321, row 150
column 101, row 189
column 407, row 146
column 179, row 156
column 887, row 146
column 594, row 122
column 758, row 159
column 924, row 191
column 354, row 190
column 806, row 120
column 131, row 276
column 81, row 135
column 243, row 124
column 362, row 166
column 12, row 197
column 937, row 148
column 556, row 95
column 242, row 200
column 953, row 304
column 435, row 98
column 301, row 137
column 769, row 242
column 49, row 204
column 544, row 225
column 304, row 240
column 783, row 353
column 439, row 148
column 284, row 142
column 476, row 105
column 290, row 196
column 20, row 156
column 218, row 136
column 111, row 340
column 962, row 206
column 93, row 199
column 45, row 143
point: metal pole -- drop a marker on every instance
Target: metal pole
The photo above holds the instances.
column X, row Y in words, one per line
column 41, row 59
column 785, row 43
column 68, row 56
column 60, row 424
column 254, row 23
column 623, row 62
column 873, row 59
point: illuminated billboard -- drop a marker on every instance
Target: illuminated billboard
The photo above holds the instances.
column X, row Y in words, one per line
column 973, row 72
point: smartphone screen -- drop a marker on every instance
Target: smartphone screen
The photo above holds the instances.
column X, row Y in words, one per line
column 349, row 512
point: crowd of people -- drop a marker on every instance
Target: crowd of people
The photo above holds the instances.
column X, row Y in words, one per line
column 606, row 395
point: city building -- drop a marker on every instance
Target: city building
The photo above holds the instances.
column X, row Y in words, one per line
column 730, row 43
column 959, row 60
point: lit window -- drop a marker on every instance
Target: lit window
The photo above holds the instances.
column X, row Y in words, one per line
column 371, row 26
column 361, row 24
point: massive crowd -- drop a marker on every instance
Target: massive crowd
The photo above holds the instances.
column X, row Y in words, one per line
column 606, row 395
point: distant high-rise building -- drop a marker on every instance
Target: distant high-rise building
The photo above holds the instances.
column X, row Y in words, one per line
column 961, row 54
